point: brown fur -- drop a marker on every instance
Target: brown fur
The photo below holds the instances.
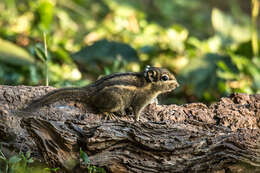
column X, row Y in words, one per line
column 117, row 92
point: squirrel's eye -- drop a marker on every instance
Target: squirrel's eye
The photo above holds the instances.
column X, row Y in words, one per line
column 165, row 78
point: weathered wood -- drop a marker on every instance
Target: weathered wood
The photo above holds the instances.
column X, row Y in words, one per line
column 222, row 137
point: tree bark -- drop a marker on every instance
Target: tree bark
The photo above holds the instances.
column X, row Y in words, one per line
column 221, row 137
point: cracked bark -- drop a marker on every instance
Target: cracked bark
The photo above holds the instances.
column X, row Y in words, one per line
column 221, row 137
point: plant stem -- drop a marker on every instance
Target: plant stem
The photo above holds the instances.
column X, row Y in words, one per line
column 46, row 60
column 254, row 15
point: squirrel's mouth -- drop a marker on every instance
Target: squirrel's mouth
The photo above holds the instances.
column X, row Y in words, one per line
column 169, row 90
column 173, row 85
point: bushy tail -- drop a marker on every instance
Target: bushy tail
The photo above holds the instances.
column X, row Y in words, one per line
column 57, row 95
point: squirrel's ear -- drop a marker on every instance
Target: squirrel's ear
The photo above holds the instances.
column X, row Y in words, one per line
column 150, row 74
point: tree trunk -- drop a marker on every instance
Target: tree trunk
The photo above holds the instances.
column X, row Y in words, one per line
column 222, row 137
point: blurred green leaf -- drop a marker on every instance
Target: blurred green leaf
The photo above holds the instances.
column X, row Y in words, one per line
column 84, row 156
column 14, row 159
column 223, row 66
column 40, row 53
column 245, row 49
column 28, row 154
column 13, row 54
column 228, row 28
column 201, row 72
column 103, row 54
column 225, row 72
column 256, row 61
column 30, row 160
column 45, row 12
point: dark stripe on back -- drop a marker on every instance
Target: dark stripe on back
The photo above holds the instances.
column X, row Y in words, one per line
column 105, row 78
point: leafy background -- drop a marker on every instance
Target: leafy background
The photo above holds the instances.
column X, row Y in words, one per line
column 211, row 46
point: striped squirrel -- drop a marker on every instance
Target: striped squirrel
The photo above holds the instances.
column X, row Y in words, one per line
column 115, row 93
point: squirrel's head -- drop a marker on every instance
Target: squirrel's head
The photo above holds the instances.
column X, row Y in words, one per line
column 161, row 79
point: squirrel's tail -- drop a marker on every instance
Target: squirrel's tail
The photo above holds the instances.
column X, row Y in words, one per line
column 57, row 95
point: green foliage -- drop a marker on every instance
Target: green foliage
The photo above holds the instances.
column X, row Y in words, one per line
column 201, row 75
column 212, row 47
column 19, row 164
column 245, row 79
column 110, row 55
column 230, row 28
column 13, row 54
column 91, row 168
column 44, row 14
column 42, row 54
column 51, row 169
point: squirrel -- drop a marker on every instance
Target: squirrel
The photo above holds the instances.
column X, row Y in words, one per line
column 115, row 93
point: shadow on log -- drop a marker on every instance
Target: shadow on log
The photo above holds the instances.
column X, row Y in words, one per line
column 222, row 137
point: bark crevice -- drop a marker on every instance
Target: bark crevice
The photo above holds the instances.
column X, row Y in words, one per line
column 222, row 137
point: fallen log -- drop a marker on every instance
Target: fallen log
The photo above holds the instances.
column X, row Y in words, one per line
column 221, row 137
